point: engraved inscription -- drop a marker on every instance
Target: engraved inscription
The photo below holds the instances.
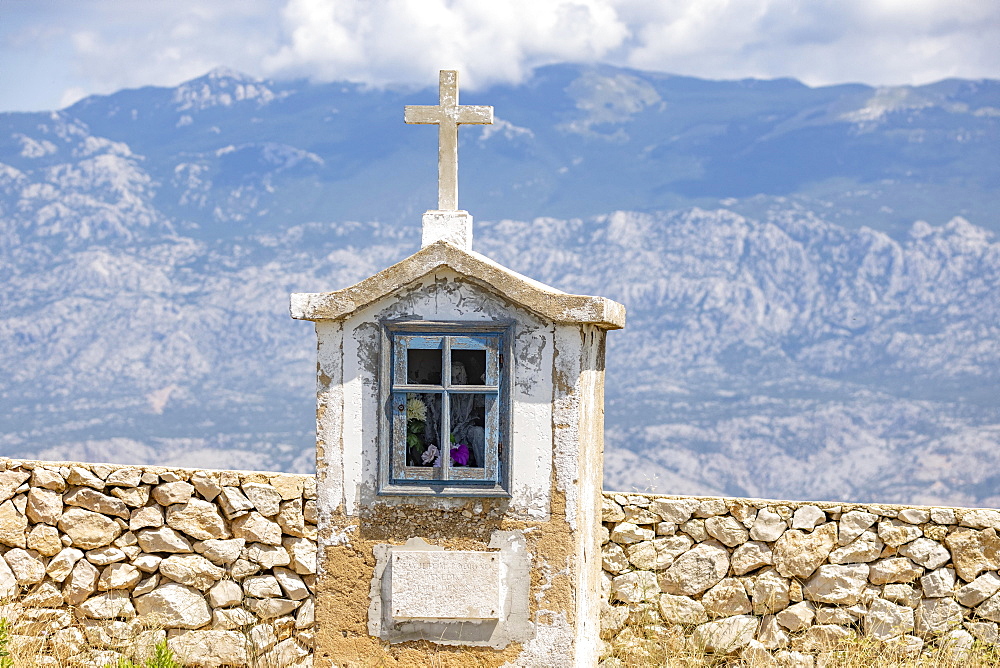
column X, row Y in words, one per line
column 457, row 585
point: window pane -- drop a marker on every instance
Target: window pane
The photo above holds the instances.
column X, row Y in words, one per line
column 468, row 367
column 468, row 430
column 423, row 427
column 423, row 366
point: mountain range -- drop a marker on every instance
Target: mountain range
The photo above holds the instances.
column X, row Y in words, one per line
column 812, row 275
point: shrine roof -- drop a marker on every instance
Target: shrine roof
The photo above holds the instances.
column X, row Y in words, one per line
column 530, row 294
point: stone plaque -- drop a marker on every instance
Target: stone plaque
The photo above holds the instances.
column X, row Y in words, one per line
column 438, row 584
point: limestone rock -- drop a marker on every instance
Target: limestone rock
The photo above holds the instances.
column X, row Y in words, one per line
column 895, row 569
column 611, row 511
column 771, row 635
column 938, row 583
column 266, row 586
column 291, row 518
column 146, row 517
column 674, row 510
column 634, row 587
column 163, row 539
column 81, row 582
column 750, row 556
column 914, row 515
column 990, row 608
column 808, row 518
column 973, row 552
column 928, row 553
column 770, row 592
column 289, row 486
column 109, row 605
column 887, row 620
column 268, row 556
column 10, row 481
column 853, row 523
column 727, row 530
column 133, row 497
column 88, row 529
column 903, row 594
column 26, row 568
column 657, row 554
column 725, row 636
column 626, row 533
column 640, row 516
column 147, row 563
column 44, row 505
column 198, row 519
column 798, row 554
column 937, row 615
column 895, row 533
column 62, row 564
column 169, row 493
column 982, row 518
column 823, row 637
column 726, row 599
column 265, row 498
column 797, row 617
column 125, row 477
column 613, row 557
column 943, row 515
column 119, row 576
column 81, row 476
column 44, row 539
column 102, row 556
column 696, row 570
column 192, row 570
column 710, row 508
column 232, row 618
column 220, row 552
column 865, row 548
column 147, row 585
column 305, row 617
column 234, row 503
column 269, row 608
column 837, row 584
column 681, row 610
column 979, row 589
column 91, row 499
column 175, row 606
column 8, row 582
column 695, row 529
column 985, row 632
column 255, row 528
column 13, row 525
column 225, row 594
column 206, row 484
column 302, row 552
column 209, row 649
column 768, row 526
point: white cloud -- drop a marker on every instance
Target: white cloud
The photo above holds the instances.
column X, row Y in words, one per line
column 104, row 45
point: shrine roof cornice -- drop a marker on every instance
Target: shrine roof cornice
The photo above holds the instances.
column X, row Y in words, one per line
column 530, row 294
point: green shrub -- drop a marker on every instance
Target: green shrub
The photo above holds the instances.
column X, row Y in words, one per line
column 5, row 660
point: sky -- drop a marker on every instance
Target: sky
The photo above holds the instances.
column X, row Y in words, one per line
column 54, row 52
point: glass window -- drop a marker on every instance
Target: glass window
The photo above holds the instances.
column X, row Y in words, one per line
column 446, row 409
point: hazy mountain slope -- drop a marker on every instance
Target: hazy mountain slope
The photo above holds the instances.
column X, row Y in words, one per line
column 776, row 346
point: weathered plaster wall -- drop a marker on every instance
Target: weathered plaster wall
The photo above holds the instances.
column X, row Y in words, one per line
column 221, row 563
column 793, row 576
column 544, row 508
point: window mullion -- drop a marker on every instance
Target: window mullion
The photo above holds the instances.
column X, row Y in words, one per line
column 446, row 410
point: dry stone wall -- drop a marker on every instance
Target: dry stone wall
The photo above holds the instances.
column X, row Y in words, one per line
column 749, row 576
column 102, row 560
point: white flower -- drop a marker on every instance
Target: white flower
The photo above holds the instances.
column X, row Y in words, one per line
column 416, row 410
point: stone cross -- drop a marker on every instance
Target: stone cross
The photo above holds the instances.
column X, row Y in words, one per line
column 448, row 114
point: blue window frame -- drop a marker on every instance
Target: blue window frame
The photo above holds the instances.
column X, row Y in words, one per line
column 444, row 426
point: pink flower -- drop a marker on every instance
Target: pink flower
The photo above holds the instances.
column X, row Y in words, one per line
column 460, row 455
